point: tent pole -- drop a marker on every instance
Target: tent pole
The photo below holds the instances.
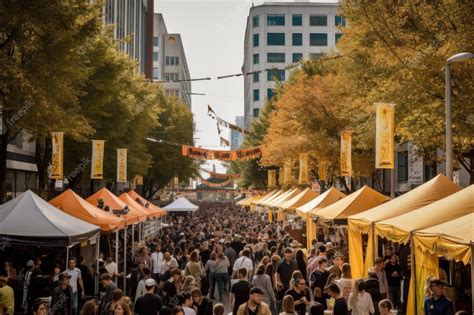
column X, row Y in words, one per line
column 413, row 274
column 97, row 254
column 374, row 250
column 117, row 246
column 140, row 235
column 472, row 276
column 125, row 261
column 67, row 257
column 133, row 240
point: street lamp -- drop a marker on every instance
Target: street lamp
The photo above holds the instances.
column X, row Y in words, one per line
column 461, row 57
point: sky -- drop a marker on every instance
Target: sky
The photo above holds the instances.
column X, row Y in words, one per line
column 213, row 34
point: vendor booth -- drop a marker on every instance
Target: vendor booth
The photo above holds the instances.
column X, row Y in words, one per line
column 181, row 205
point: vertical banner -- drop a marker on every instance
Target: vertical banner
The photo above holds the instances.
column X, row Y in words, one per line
column 287, row 173
column 323, row 170
column 97, row 168
column 346, row 150
column 384, row 137
column 57, row 156
column 175, row 182
column 271, row 178
column 303, row 178
column 281, row 176
column 138, row 180
column 121, row 165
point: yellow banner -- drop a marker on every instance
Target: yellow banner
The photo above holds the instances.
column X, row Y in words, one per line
column 346, row 150
column 215, row 185
column 57, row 156
column 271, row 178
column 206, row 154
column 384, row 137
column 138, row 180
column 287, row 173
column 303, row 178
column 281, row 176
column 176, row 182
column 97, row 168
column 323, row 170
column 121, row 165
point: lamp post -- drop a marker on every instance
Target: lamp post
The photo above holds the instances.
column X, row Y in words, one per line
column 461, row 57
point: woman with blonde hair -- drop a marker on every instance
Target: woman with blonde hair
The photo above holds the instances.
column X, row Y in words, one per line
column 288, row 306
column 360, row 302
column 189, row 284
column 122, row 308
column 194, row 267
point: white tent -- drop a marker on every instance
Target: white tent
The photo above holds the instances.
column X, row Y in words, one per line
column 181, row 204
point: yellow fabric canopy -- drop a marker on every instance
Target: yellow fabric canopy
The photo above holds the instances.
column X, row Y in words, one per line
column 150, row 207
column 268, row 197
column 398, row 229
column 283, row 198
column 73, row 204
column 253, row 203
column 359, row 201
column 362, row 223
column 302, row 198
column 273, row 198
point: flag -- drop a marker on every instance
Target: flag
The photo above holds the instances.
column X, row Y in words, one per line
column 323, row 169
column 271, row 178
column 287, row 173
column 97, row 170
column 303, row 178
column 57, row 156
column 220, row 122
column 384, row 137
column 346, row 148
column 224, row 142
column 121, row 165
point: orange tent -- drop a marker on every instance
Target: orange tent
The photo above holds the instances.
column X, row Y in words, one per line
column 132, row 203
column 73, row 204
column 148, row 205
column 115, row 203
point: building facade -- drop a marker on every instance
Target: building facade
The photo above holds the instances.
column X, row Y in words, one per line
column 236, row 138
column 278, row 35
column 169, row 62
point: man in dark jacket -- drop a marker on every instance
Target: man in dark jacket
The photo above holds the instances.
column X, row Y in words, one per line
column 107, row 295
column 61, row 297
column 372, row 287
column 438, row 303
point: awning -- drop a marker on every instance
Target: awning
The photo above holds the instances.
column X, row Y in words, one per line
column 147, row 204
column 275, row 203
column 330, row 196
column 268, row 198
column 115, row 203
column 125, row 197
column 302, row 198
column 181, row 204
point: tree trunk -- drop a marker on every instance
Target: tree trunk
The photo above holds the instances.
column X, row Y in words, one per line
column 43, row 156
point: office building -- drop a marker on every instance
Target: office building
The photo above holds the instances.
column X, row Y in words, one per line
column 169, row 62
column 278, row 35
column 236, row 138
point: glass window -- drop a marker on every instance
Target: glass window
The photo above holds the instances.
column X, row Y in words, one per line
column 316, row 55
column 297, row 39
column 155, row 56
column 297, row 19
column 171, row 77
column 338, row 37
column 276, row 39
column 276, row 74
column 167, row 61
column 256, row 111
column 256, row 59
column 176, row 60
column 318, row 20
column 402, row 158
column 340, row 21
column 297, row 57
column 255, row 21
column 256, row 95
column 270, row 93
column 275, row 19
column 276, row 57
column 256, row 77
column 156, row 41
column 255, row 40
column 318, row 39
column 155, row 73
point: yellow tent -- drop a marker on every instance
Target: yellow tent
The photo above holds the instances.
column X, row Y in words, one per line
column 253, row 203
column 453, row 238
column 247, row 201
column 275, row 203
column 302, row 198
column 274, row 197
column 359, row 201
column 268, row 197
column 363, row 223
column 305, row 211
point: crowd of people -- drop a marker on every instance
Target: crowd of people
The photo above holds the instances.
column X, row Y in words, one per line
column 218, row 260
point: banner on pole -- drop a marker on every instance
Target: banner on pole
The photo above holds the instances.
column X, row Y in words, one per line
column 176, row 182
column 97, row 168
column 323, row 170
column 303, row 178
column 206, row 154
column 346, row 151
column 57, row 156
column 384, row 137
column 271, row 178
column 121, row 165
column 287, row 173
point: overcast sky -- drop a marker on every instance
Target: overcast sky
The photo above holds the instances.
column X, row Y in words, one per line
column 213, row 33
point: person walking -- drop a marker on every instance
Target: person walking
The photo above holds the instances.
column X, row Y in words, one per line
column 210, row 269
column 107, row 296
column 61, row 297
column 378, row 269
column 254, row 305
column 393, row 273
column 300, row 294
column 222, row 274
column 340, row 304
column 7, row 296
column 437, row 303
column 284, row 271
column 239, row 292
column 264, row 282
column 360, row 302
column 76, row 284
column 345, row 283
column 149, row 303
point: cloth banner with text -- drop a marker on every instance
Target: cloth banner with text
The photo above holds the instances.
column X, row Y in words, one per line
column 384, row 137
column 303, row 178
column 346, row 151
column 271, row 178
column 287, row 177
column 97, row 168
column 57, row 156
column 220, row 175
column 323, row 170
column 121, row 165
column 206, row 154
column 215, row 185
column 220, row 122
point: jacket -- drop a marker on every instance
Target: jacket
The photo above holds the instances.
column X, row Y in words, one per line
column 61, row 303
column 263, row 309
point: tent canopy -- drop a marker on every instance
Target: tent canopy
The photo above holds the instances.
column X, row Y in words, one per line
column 148, row 205
column 181, row 204
column 325, row 199
column 115, row 203
column 398, row 228
column 247, row 201
column 284, row 197
column 300, row 199
column 433, row 190
column 263, row 197
column 138, row 208
column 30, row 220
column 361, row 200
column 73, row 204
column 269, row 198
